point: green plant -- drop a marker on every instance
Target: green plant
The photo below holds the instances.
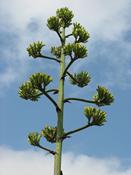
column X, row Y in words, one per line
column 37, row 85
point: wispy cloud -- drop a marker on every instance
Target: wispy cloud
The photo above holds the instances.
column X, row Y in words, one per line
column 27, row 162
column 7, row 77
column 22, row 23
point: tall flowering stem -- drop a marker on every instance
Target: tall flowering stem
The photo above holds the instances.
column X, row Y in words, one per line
column 37, row 84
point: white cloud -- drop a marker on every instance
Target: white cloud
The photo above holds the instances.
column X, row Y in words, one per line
column 27, row 162
column 106, row 21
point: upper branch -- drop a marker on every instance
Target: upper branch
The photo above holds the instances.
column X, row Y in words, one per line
column 76, row 130
column 72, row 77
column 51, row 99
column 35, row 48
column 68, row 35
column 78, row 99
column 50, row 58
column 68, row 66
column 59, row 36
column 55, row 91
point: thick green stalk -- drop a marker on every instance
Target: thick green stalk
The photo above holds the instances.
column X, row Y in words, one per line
column 57, row 158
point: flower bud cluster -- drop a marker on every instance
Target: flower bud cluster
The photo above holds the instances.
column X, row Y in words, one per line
column 79, row 33
column 34, row 138
column 56, row 51
column 75, row 50
column 34, row 49
column 95, row 116
column 63, row 18
column 80, row 79
column 49, row 133
column 32, row 88
column 26, row 91
column 103, row 96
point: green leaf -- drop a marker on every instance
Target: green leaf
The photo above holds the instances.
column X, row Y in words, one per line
column 34, row 49
column 79, row 33
column 75, row 50
column 27, row 92
column 40, row 80
column 49, row 133
column 80, row 79
column 65, row 15
column 34, row 138
column 103, row 96
column 95, row 116
column 56, row 51
column 54, row 23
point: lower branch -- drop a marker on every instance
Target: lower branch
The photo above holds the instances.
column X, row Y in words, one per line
column 46, row 149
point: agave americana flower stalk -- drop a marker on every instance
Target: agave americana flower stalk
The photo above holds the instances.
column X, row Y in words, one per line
column 37, row 84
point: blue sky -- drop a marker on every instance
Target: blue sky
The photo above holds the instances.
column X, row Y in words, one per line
column 108, row 62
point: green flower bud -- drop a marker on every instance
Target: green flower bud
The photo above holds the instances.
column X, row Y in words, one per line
column 65, row 15
column 49, row 133
column 95, row 116
column 27, row 91
column 103, row 96
column 40, row 80
column 79, row 50
column 80, row 79
column 76, row 50
column 80, row 34
column 68, row 49
column 34, row 49
column 34, row 138
column 54, row 23
column 56, row 51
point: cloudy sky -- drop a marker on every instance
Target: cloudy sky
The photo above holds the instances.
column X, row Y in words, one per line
column 102, row 150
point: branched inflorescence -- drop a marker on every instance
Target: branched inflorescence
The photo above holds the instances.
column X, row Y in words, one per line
column 103, row 96
column 37, row 85
column 31, row 89
column 49, row 133
column 95, row 116
column 80, row 79
column 35, row 48
column 79, row 33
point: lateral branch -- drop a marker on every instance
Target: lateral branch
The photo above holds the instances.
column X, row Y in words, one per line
column 52, row 100
column 68, row 66
column 70, row 75
column 78, row 99
column 46, row 149
column 68, row 35
column 59, row 36
column 55, row 91
column 50, row 58
column 43, row 92
column 76, row 130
